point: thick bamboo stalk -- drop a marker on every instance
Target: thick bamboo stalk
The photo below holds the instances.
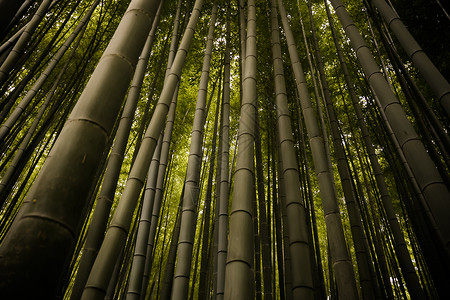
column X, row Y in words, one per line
column 106, row 196
column 119, row 226
column 42, row 238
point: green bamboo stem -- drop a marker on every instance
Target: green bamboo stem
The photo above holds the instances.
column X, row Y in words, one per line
column 239, row 277
column 106, row 196
column 42, row 239
column 302, row 283
column 222, row 205
column 180, row 287
column 345, row 276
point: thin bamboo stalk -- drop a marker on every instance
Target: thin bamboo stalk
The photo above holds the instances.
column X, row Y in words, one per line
column 433, row 188
column 224, row 170
column 437, row 82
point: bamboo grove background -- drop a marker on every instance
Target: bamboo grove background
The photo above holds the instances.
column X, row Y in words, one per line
column 247, row 149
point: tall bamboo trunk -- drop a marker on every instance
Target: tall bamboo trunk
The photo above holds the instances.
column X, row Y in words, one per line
column 302, row 285
column 42, row 238
column 239, row 274
column 106, row 196
column 180, row 287
column 222, row 205
column 345, row 276
column 363, row 259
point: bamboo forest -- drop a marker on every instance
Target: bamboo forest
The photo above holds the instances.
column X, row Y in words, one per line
column 244, row 149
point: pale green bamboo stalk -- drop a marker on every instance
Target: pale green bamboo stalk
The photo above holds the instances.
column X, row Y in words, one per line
column 159, row 192
column 224, row 170
column 134, row 290
column 180, row 286
column 341, row 260
column 359, row 238
column 433, row 188
column 42, row 238
column 302, row 283
column 118, row 230
column 164, row 158
column 239, row 277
